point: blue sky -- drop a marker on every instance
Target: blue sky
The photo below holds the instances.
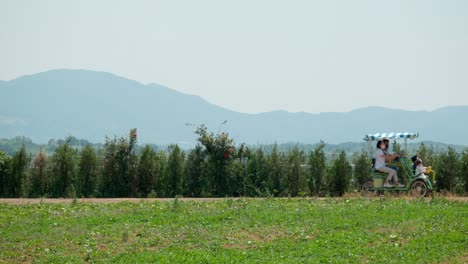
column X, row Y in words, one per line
column 254, row 56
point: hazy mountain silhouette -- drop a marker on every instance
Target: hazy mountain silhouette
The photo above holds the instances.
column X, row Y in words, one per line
column 92, row 105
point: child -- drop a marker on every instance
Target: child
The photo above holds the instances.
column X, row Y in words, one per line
column 420, row 169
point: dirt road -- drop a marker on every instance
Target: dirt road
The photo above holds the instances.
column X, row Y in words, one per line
column 25, row 201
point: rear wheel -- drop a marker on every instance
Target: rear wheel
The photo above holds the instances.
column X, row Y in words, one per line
column 419, row 189
column 365, row 189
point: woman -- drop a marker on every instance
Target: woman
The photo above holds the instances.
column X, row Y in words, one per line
column 379, row 157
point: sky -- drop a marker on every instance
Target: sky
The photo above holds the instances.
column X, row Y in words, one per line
column 254, row 56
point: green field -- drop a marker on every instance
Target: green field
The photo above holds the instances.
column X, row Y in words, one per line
column 308, row 230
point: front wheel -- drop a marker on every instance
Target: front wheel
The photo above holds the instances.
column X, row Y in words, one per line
column 419, row 189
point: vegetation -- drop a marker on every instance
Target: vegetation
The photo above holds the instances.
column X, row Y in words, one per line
column 119, row 159
column 15, row 182
column 317, row 170
column 216, row 167
column 146, row 173
column 237, row 231
column 39, row 176
column 63, row 171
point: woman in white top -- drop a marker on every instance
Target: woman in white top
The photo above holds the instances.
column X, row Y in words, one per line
column 379, row 157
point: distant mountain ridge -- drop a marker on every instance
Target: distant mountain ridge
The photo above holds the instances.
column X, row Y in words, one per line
column 10, row 146
column 92, row 105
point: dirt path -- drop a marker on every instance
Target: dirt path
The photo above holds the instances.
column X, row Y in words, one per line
column 98, row 200
column 24, row 201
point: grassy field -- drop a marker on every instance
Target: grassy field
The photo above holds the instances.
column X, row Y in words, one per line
column 237, row 231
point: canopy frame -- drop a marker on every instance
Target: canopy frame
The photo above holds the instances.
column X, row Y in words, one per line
column 381, row 136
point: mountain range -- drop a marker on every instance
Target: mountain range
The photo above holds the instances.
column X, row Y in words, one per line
column 93, row 105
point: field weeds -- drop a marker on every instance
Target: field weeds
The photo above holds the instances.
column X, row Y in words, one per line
column 309, row 230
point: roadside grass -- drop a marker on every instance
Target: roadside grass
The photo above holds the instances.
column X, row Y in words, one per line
column 308, row 230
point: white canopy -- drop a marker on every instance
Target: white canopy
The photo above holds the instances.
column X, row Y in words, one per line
column 380, row 136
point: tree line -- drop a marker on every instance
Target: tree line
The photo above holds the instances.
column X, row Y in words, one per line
column 215, row 167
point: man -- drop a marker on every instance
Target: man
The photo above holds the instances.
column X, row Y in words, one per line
column 415, row 159
column 387, row 143
column 388, row 156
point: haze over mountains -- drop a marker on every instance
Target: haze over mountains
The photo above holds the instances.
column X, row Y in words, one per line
column 92, row 105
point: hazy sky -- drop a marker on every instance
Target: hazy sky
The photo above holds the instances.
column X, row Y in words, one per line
column 254, row 56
